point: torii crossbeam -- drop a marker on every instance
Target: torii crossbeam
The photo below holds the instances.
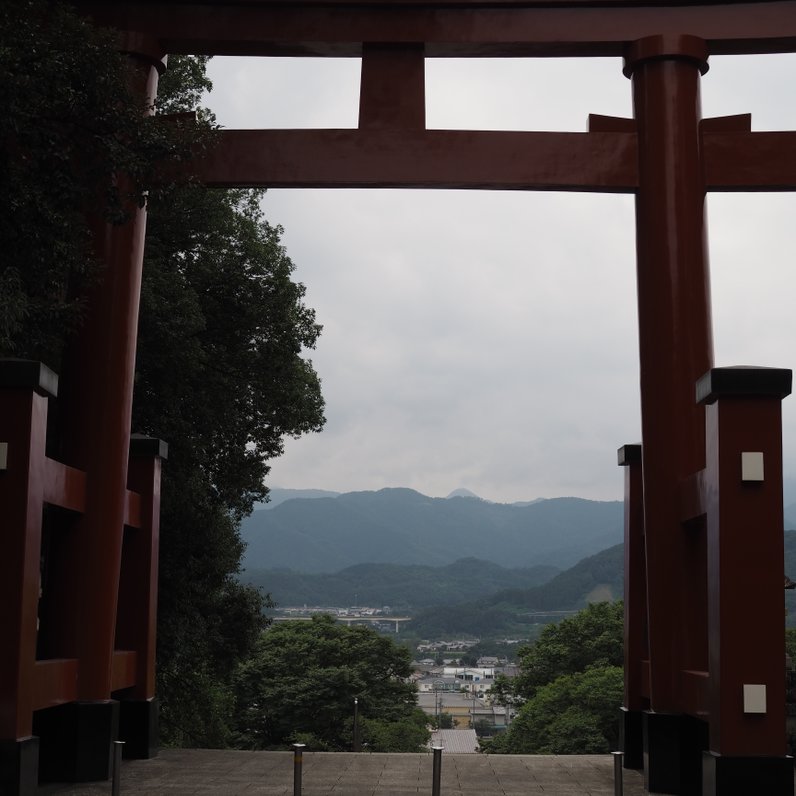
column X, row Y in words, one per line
column 704, row 696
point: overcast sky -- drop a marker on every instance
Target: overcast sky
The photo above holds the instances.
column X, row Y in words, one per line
column 488, row 339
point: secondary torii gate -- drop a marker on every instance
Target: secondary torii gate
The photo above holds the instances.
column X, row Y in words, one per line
column 704, row 696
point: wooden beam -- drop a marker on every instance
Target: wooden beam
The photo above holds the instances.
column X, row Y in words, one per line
column 603, row 162
column 750, row 161
column 64, row 486
column 124, row 669
column 54, row 682
column 597, row 161
column 482, row 28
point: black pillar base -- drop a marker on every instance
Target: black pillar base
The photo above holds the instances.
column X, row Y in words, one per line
column 733, row 776
column 138, row 728
column 631, row 737
column 76, row 741
column 673, row 746
column 19, row 767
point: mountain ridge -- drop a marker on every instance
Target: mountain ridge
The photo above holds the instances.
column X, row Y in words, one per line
column 402, row 526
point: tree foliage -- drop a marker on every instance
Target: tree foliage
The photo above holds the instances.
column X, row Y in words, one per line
column 502, row 691
column 574, row 714
column 571, row 683
column 407, row 734
column 303, row 679
column 790, row 643
column 592, row 637
column 70, row 124
column 443, row 721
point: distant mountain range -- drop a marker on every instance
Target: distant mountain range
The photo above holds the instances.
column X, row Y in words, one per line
column 401, row 526
column 278, row 496
column 473, row 596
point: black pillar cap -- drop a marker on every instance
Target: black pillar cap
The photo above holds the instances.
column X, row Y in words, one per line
column 76, row 739
column 740, row 776
column 628, row 454
column 28, row 373
column 743, row 381
column 142, row 447
column 631, row 738
column 138, row 728
column 19, row 767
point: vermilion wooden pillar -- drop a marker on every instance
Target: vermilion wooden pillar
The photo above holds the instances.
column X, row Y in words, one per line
column 742, row 498
column 675, row 349
column 136, row 624
column 24, row 390
column 95, row 408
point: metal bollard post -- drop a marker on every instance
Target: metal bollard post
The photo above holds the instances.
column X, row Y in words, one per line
column 437, row 772
column 619, row 787
column 298, row 749
column 356, row 725
column 117, row 768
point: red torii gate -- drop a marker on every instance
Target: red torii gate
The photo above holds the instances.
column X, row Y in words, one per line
column 704, row 694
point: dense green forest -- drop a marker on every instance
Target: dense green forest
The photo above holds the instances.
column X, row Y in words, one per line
column 404, row 588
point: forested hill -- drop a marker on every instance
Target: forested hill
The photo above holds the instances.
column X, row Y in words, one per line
column 594, row 579
column 597, row 578
column 470, row 596
column 401, row 526
column 404, row 587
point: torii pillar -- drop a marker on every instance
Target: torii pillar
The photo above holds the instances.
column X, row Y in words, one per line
column 675, row 349
column 79, row 597
column 704, row 732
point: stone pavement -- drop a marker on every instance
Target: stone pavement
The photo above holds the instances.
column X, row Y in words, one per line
column 180, row 772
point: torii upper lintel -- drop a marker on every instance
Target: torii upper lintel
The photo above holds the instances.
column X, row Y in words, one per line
column 392, row 148
column 450, row 28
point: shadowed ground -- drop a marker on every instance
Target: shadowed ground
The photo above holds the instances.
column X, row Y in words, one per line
column 179, row 772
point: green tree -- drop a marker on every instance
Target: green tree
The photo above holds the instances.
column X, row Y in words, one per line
column 592, row 637
column 220, row 375
column 69, row 126
column 571, row 683
column 484, row 728
column 790, row 643
column 304, row 676
column 408, row 734
column 503, row 692
column 574, row 714
column 442, row 722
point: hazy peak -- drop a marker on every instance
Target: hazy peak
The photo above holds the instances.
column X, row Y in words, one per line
column 462, row 492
